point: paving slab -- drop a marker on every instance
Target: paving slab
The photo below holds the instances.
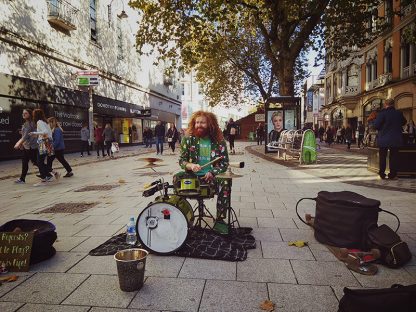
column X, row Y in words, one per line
column 257, row 252
column 48, row 288
column 101, row 291
column 66, row 243
column 289, row 235
column 96, row 265
column 281, row 250
column 10, row 306
column 100, row 230
column 302, row 298
column 90, row 243
column 265, row 270
column 21, row 277
column 96, row 309
column 208, row 269
column 175, row 294
column 163, row 266
column 386, row 277
column 232, row 296
column 30, row 307
column 267, row 234
column 277, row 222
column 60, row 262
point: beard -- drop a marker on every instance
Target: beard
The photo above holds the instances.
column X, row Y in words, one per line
column 201, row 132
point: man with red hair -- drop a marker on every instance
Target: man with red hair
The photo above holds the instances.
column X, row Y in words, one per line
column 203, row 143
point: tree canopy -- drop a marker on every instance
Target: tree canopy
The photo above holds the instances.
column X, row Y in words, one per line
column 260, row 44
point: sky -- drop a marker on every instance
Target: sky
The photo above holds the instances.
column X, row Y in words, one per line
column 311, row 61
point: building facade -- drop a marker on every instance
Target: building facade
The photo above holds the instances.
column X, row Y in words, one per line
column 312, row 101
column 46, row 46
column 386, row 68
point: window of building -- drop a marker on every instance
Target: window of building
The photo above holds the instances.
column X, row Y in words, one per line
column 374, row 68
column 93, row 20
column 368, row 72
column 183, row 88
column 120, row 50
column 335, row 84
column 328, row 87
column 388, row 11
column 388, row 61
column 352, row 75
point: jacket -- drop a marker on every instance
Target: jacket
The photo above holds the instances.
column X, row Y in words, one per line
column 108, row 135
column 58, row 139
column 389, row 124
column 190, row 153
column 98, row 135
column 85, row 134
column 172, row 133
column 160, row 131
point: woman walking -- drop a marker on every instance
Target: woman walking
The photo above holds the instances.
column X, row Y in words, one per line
column 27, row 144
column 59, row 147
column 45, row 143
column 109, row 138
column 172, row 137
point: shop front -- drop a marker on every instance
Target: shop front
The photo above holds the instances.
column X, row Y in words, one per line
column 70, row 107
column 125, row 118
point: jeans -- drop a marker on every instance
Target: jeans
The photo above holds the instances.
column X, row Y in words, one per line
column 394, row 151
column 108, row 146
column 159, row 144
column 43, row 169
column 28, row 154
column 60, row 156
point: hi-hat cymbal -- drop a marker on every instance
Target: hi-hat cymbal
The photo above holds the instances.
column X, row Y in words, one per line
column 228, row 175
column 150, row 159
column 150, row 165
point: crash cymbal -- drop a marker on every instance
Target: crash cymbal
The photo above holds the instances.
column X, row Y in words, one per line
column 228, row 175
column 150, row 165
column 150, row 159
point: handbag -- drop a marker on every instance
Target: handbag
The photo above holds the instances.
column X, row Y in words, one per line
column 398, row 298
column 114, row 147
column 342, row 219
column 169, row 140
column 394, row 253
column 46, row 147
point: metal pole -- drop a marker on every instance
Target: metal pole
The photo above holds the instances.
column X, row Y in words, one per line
column 90, row 115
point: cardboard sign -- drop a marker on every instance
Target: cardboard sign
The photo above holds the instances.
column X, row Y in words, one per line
column 15, row 250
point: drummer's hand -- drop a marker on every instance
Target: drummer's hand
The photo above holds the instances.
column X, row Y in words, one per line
column 194, row 167
column 208, row 177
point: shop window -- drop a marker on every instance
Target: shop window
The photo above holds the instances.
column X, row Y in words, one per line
column 352, row 75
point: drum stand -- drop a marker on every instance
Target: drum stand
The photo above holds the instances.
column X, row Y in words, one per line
column 231, row 219
column 202, row 212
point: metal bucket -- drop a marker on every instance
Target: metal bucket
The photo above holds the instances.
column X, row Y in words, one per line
column 130, row 268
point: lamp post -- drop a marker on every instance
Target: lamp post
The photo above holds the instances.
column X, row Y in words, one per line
column 123, row 13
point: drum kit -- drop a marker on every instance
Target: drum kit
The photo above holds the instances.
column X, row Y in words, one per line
column 163, row 226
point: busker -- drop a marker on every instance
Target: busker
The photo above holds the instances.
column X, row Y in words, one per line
column 27, row 144
column 203, row 143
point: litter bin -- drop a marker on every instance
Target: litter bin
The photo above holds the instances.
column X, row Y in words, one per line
column 130, row 268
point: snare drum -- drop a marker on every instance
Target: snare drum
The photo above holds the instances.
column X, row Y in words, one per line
column 186, row 184
column 162, row 227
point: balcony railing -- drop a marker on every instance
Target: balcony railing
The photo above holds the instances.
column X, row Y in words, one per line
column 384, row 79
column 62, row 14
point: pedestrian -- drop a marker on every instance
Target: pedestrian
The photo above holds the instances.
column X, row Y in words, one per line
column 329, row 136
column 160, row 137
column 361, row 131
column 27, row 144
column 99, row 140
column 260, row 134
column 85, row 138
column 59, row 148
column 348, row 136
column 45, row 144
column 343, row 135
column 411, row 130
column 339, row 135
column 232, row 131
column 321, row 132
column 389, row 123
column 109, row 138
column 172, row 137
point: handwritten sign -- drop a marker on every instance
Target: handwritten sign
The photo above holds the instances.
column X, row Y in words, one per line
column 15, row 249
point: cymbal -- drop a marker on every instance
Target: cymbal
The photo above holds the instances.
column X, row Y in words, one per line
column 228, row 175
column 150, row 159
column 150, row 165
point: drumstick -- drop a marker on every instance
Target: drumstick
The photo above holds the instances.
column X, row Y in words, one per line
column 212, row 161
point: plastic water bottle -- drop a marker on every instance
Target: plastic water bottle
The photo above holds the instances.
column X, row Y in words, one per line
column 131, row 232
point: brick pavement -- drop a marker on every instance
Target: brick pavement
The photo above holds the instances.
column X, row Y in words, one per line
column 306, row 279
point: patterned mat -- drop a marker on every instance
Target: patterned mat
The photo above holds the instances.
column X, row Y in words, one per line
column 205, row 244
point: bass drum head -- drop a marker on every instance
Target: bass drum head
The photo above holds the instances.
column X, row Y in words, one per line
column 162, row 228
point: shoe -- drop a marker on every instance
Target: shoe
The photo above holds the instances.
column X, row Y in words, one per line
column 382, row 176
column 57, row 175
column 49, row 179
column 221, row 227
column 68, row 174
column 19, row 181
column 82, row 155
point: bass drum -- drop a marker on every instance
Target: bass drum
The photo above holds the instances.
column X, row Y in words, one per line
column 162, row 227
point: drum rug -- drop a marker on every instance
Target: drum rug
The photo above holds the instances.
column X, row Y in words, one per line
column 205, row 244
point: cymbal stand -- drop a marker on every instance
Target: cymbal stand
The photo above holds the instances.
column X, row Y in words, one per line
column 202, row 211
column 231, row 218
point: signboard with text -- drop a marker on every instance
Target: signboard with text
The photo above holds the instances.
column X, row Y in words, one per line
column 87, row 78
column 15, row 250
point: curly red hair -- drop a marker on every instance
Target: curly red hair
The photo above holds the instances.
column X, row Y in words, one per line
column 214, row 130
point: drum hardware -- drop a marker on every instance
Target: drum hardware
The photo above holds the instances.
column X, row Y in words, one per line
column 150, row 160
column 203, row 212
column 228, row 175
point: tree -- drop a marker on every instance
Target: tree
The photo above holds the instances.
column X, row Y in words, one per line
column 259, row 38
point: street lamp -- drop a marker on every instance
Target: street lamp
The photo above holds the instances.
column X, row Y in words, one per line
column 123, row 13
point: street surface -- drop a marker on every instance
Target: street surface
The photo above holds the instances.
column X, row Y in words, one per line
column 295, row 279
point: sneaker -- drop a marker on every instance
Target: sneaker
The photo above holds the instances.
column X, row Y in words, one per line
column 49, row 179
column 382, row 176
column 57, row 175
column 68, row 174
column 82, row 155
column 19, row 181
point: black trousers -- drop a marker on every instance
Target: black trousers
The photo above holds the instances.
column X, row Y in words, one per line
column 60, row 156
column 231, row 139
column 259, row 140
column 394, row 151
column 172, row 145
column 108, row 146
column 43, row 168
column 98, row 146
column 28, row 155
column 85, row 146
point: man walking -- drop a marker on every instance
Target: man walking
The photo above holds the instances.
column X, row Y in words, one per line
column 160, row 137
column 389, row 124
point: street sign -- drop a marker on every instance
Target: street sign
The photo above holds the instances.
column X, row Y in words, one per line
column 88, row 78
column 259, row 117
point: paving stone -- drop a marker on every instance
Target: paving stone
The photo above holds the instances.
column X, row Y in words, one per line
column 281, row 250
column 411, row 269
column 321, row 252
column 386, row 277
column 323, row 273
column 65, row 243
column 281, row 223
column 339, row 291
column 96, row 309
column 100, row 230
column 265, row 270
column 163, row 266
column 175, row 294
column 21, row 277
column 255, row 253
column 61, row 262
column 90, row 243
column 302, row 298
column 10, row 306
column 232, row 296
column 69, row 229
column 248, row 222
column 96, row 265
column 267, row 234
column 52, row 308
column 48, row 288
column 101, row 291
column 208, row 269
column 289, row 235
column 247, row 212
column 103, row 220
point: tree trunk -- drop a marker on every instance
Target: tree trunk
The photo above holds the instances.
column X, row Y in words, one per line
column 286, row 77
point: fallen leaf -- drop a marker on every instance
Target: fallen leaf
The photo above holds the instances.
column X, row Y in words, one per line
column 267, row 305
column 11, row 278
column 298, row 243
column 121, row 181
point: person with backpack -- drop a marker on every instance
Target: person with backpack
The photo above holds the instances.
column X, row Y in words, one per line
column 232, row 131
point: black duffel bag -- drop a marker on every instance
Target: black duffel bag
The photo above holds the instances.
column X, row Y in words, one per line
column 342, row 219
column 43, row 238
column 398, row 298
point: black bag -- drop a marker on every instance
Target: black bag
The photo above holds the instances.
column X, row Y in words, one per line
column 394, row 253
column 342, row 219
column 398, row 298
column 43, row 238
